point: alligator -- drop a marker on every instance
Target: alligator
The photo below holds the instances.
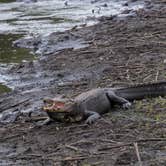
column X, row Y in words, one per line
column 92, row 104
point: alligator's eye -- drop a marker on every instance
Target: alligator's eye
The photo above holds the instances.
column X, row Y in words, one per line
column 58, row 108
column 48, row 101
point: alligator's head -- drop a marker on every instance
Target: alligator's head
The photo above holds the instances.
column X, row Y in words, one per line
column 61, row 110
column 53, row 105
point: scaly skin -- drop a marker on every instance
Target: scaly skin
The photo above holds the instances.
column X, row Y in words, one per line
column 92, row 104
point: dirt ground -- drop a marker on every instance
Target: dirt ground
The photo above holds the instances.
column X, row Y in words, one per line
column 121, row 51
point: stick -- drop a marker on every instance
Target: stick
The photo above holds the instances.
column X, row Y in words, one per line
column 137, row 153
column 114, row 147
column 151, row 139
column 71, row 147
column 131, row 143
column 157, row 74
column 9, row 137
column 16, row 104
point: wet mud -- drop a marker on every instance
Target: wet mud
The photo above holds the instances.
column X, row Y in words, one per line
column 118, row 51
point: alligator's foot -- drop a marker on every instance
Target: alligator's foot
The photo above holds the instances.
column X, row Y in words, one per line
column 127, row 105
column 46, row 122
column 91, row 119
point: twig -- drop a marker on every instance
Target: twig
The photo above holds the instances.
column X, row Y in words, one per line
column 17, row 104
column 87, row 52
column 114, row 147
column 81, row 142
column 71, row 147
column 79, row 157
column 151, row 139
column 9, row 137
column 147, row 77
column 38, row 118
column 75, row 158
column 34, row 155
column 131, row 143
column 157, row 74
column 82, row 157
column 104, row 140
column 28, row 156
column 137, row 153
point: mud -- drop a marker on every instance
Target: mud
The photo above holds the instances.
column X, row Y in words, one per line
column 120, row 51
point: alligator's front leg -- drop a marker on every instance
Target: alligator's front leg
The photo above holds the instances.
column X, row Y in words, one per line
column 119, row 100
column 92, row 116
column 46, row 122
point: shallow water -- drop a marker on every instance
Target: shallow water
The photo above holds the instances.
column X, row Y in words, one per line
column 46, row 16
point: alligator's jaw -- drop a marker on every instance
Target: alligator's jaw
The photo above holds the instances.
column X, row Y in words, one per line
column 54, row 106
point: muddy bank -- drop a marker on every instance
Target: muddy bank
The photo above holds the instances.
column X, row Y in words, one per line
column 120, row 51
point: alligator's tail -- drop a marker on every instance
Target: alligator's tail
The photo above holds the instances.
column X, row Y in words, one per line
column 141, row 91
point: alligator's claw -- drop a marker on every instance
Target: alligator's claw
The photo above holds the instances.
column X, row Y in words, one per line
column 127, row 105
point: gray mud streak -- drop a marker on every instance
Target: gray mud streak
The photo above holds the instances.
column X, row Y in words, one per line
column 53, row 43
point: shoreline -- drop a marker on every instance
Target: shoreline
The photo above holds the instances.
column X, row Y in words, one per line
column 41, row 46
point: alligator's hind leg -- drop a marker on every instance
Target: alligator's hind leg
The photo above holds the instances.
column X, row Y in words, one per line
column 117, row 99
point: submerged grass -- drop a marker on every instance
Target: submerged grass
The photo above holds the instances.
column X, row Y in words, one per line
column 6, row 1
column 10, row 54
column 4, row 89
